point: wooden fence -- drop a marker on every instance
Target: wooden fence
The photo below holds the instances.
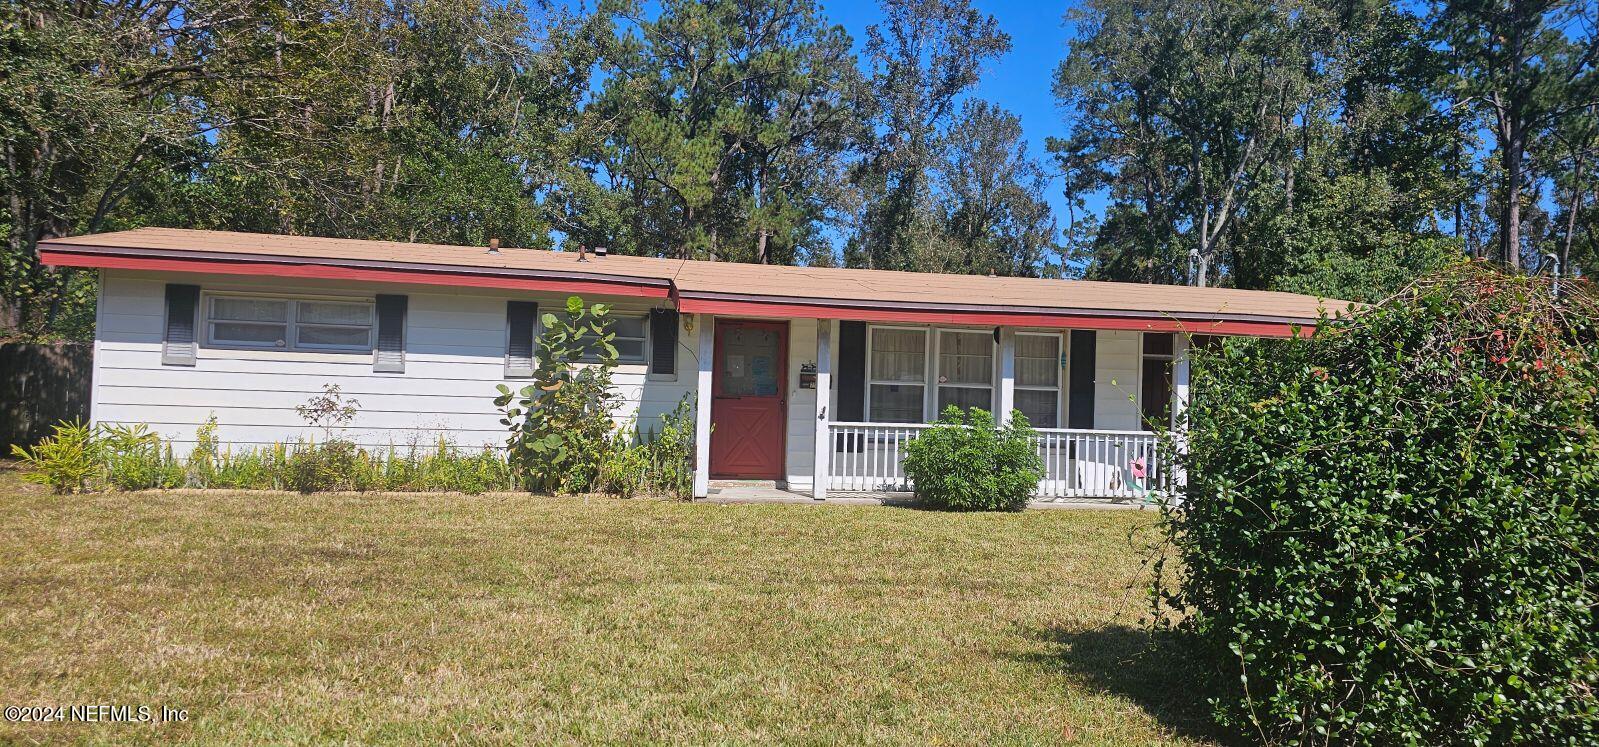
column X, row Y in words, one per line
column 41, row 385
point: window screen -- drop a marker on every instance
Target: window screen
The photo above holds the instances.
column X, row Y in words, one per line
column 898, row 372
column 965, row 369
column 1038, row 379
column 630, row 338
column 302, row 324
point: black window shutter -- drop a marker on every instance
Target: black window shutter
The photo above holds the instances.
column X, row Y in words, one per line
column 520, row 318
column 1080, row 379
column 178, row 348
column 663, row 341
column 389, row 357
column 851, row 376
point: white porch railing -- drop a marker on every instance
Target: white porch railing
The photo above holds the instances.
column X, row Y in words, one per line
column 1099, row 464
column 867, row 457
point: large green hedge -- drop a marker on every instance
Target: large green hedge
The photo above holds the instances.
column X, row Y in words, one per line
column 1390, row 528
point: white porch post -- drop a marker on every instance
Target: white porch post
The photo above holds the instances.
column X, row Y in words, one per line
column 824, row 388
column 702, row 406
column 1179, row 404
column 1007, row 375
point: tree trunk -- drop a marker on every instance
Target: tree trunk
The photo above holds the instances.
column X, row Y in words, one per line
column 10, row 306
column 1510, row 225
column 1572, row 208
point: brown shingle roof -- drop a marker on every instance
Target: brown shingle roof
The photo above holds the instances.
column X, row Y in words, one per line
column 749, row 282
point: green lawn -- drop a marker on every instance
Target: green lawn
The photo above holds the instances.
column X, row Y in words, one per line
column 487, row 619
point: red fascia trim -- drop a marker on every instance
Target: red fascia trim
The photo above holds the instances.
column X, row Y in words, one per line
column 333, row 272
column 988, row 318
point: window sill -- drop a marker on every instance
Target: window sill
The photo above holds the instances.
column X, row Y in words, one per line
column 275, row 354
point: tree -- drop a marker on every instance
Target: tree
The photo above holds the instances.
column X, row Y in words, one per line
column 1527, row 65
column 1573, row 145
column 992, row 199
column 1178, row 107
column 245, row 114
column 726, row 124
column 1216, row 129
column 440, row 139
column 98, row 108
column 922, row 58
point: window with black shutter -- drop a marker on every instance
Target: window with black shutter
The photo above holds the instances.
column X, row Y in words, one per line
column 1080, row 379
column 663, row 342
column 520, row 320
column 851, row 379
column 388, row 356
column 178, row 346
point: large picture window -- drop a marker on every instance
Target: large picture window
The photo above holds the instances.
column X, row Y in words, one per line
column 288, row 323
column 965, row 369
column 897, row 372
column 1038, row 378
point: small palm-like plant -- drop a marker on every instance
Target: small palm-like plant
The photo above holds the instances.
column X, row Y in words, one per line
column 66, row 461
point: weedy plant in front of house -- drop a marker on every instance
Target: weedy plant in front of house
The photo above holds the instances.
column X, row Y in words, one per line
column 561, row 424
column 69, row 461
column 966, row 462
column 1389, row 532
column 658, row 462
column 81, row 458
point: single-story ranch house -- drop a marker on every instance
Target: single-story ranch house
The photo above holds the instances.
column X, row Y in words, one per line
column 813, row 378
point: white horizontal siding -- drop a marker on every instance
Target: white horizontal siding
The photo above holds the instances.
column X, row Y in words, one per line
column 455, row 345
column 1116, row 369
column 801, row 426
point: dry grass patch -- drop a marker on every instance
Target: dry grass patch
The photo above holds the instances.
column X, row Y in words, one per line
column 429, row 617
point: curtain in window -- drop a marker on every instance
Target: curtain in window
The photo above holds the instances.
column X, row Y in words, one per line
column 965, row 370
column 898, row 374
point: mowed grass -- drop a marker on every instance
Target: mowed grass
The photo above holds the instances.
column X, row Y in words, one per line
column 401, row 618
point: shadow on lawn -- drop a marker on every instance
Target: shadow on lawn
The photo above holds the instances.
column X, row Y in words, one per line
column 1153, row 670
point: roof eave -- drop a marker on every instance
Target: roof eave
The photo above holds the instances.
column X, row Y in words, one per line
column 1152, row 320
column 65, row 254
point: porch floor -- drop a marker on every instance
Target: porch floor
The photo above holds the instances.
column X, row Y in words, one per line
column 769, row 493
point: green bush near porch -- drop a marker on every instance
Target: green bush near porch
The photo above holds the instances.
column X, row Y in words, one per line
column 1390, row 532
column 966, row 462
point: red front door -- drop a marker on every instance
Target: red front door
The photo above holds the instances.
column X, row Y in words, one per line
column 748, row 404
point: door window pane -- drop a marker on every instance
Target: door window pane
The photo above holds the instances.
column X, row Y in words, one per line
column 1157, row 343
column 899, row 355
column 896, row 403
column 749, row 364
